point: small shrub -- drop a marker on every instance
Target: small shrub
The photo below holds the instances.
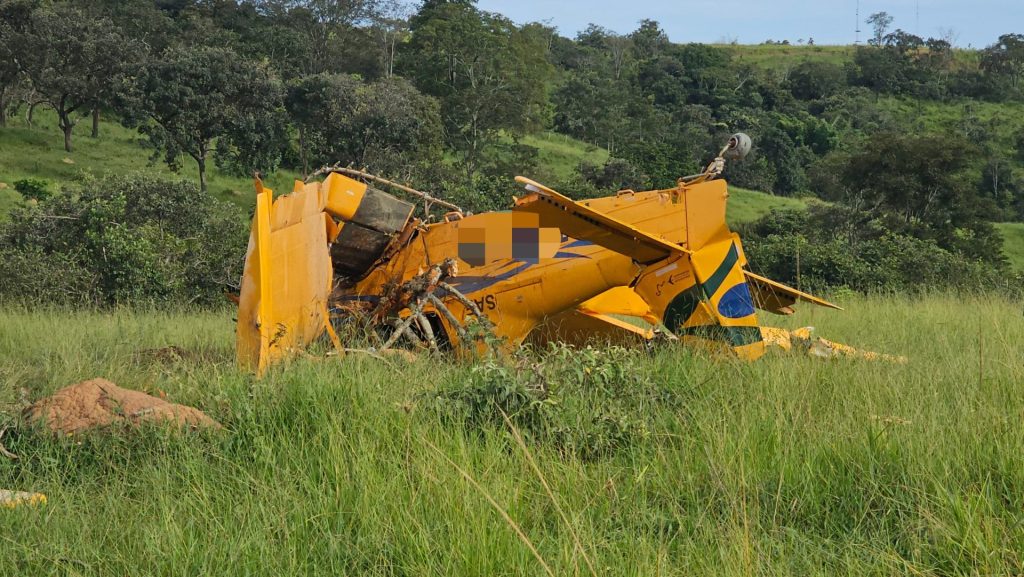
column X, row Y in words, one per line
column 33, row 188
column 494, row 388
column 588, row 402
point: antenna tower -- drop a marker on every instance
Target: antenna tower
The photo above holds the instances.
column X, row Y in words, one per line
column 856, row 28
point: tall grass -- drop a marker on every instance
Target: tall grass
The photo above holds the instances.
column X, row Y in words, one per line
column 789, row 465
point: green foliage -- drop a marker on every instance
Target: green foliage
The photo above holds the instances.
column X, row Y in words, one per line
column 489, row 75
column 386, row 125
column 33, row 188
column 192, row 96
column 829, row 246
column 616, row 174
column 585, row 402
column 75, row 61
column 814, row 80
column 122, row 240
column 920, row 186
column 1004, row 60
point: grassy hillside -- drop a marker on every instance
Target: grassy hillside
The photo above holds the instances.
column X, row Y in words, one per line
column 560, row 155
column 749, row 205
column 1005, row 118
column 786, row 466
column 782, row 57
column 39, row 153
column 1013, row 243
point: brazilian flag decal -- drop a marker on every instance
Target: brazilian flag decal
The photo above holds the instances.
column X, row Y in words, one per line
column 736, row 303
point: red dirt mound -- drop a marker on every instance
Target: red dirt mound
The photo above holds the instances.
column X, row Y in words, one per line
column 100, row 403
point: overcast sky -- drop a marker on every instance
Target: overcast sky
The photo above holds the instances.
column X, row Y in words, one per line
column 977, row 23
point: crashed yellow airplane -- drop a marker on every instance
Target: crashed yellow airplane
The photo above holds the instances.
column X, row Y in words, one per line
column 633, row 265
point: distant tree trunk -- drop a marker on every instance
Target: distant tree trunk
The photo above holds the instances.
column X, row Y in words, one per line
column 3, row 108
column 96, row 122
column 67, row 138
column 201, row 161
column 30, row 112
column 66, row 126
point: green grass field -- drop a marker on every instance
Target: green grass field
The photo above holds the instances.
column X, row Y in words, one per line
column 560, row 155
column 781, row 57
column 786, row 466
column 749, row 205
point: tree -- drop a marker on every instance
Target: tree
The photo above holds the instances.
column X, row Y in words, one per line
column 922, row 186
column 71, row 60
column 813, row 80
column 1005, row 59
column 14, row 16
column 391, row 23
column 649, row 40
column 320, row 106
column 9, row 76
column 320, row 36
column 395, row 127
column 191, row 96
column 880, row 22
column 489, row 75
column 388, row 124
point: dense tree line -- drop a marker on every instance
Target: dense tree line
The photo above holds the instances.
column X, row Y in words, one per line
column 443, row 92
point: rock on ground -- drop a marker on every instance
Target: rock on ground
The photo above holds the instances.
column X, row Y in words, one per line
column 100, row 403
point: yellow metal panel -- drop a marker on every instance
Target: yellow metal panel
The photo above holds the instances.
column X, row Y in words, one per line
column 342, row 195
column 621, row 300
column 656, row 212
column 770, row 295
column 251, row 339
column 581, row 222
column 287, row 278
column 705, row 213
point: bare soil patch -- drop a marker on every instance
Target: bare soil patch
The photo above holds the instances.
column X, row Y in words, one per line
column 99, row 403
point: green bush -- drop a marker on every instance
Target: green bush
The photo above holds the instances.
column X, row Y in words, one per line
column 122, row 240
column 33, row 188
column 838, row 247
column 30, row 275
column 588, row 402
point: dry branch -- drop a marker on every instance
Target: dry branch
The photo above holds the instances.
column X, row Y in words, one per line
column 3, row 449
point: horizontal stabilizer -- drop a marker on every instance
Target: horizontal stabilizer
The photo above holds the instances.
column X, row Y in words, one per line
column 776, row 297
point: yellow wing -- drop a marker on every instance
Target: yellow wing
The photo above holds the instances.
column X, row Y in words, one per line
column 583, row 223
